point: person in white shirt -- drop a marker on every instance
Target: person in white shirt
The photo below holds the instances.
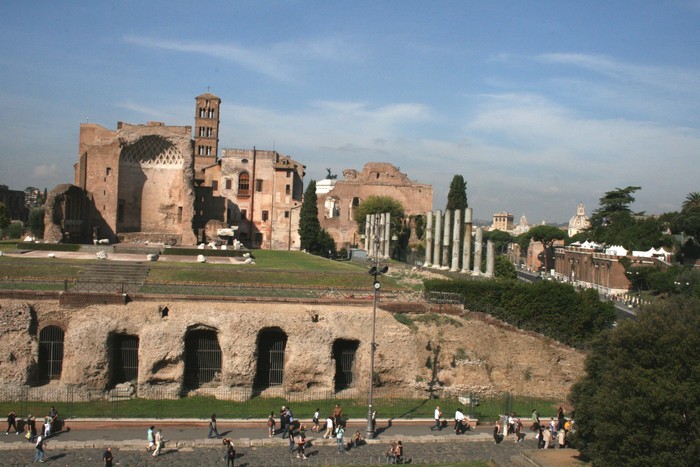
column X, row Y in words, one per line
column 459, row 421
column 437, row 416
column 329, row 427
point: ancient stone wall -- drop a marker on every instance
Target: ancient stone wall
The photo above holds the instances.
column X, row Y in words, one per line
column 475, row 354
column 375, row 179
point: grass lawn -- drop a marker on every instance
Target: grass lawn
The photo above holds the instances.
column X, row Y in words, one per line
column 292, row 268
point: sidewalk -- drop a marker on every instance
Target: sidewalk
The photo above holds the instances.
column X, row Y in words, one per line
column 187, row 444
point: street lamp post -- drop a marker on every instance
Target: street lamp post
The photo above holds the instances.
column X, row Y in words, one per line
column 374, row 271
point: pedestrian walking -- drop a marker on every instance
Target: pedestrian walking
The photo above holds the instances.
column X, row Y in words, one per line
column 300, row 440
column 107, row 457
column 271, row 424
column 230, row 454
column 329, row 427
column 212, row 427
column 339, row 441
column 11, row 422
column 314, row 419
column 160, row 442
column 151, row 436
column 30, row 427
column 39, row 449
column 437, row 415
column 47, row 426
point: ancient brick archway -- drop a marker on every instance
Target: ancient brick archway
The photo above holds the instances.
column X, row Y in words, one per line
column 271, row 345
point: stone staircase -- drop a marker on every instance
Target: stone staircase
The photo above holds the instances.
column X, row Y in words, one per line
column 111, row 277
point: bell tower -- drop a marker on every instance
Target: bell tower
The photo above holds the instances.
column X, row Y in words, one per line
column 206, row 132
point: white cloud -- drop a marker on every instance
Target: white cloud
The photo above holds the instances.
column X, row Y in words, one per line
column 280, row 61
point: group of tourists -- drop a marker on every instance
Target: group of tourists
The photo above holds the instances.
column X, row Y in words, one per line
column 50, row 426
column 461, row 423
column 548, row 435
column 156, row 441
column 556, row 432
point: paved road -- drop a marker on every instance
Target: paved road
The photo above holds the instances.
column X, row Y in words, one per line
column 188, row 446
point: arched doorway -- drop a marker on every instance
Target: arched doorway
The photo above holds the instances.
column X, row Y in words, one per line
column 125, row 358
column 271, row 346
column 344, row 356
column 51, row 352
column 202, row 358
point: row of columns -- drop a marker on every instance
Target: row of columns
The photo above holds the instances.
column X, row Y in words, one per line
column 437, row 248
column 378, row 235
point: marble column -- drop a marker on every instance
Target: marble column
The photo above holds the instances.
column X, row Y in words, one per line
column 428, row 240
column 445, row 263
column 368, row 234
column 490, row 258
column 456, row 234
column 478, row 239
column 387, row 235
column 436, row 240
column 467, row 246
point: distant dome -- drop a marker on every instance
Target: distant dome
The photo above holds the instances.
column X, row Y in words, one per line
column 579, row 222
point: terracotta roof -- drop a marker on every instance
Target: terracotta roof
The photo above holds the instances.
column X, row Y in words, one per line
column 207, row 95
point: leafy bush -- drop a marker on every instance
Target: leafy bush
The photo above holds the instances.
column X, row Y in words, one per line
column 550, row 308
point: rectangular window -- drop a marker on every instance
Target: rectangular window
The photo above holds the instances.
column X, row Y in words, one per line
column 244, row 214
column 215, row 185
column 286, row 214
column 109, row 170
column 208, row 150
column 287, row 189
column 228, row 183
column 289, row 174
column 179, row 213
column 258, row 185
column 265, row 215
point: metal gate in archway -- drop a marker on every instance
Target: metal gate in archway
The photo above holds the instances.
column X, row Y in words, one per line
column 125, row 358
column 202, row 358
column 271, row 347
column 344, row 356
column 51, row 352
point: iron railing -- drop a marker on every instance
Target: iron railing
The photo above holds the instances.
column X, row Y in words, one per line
column 248, row 403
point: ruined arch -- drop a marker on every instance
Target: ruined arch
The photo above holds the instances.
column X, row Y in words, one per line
column 344, row 351
column 270, row 347
column 51, row 339
column 202, row 358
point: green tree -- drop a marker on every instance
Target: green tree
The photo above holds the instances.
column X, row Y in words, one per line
column 4, row 216
column 546, row 235
column 504, row 269
column 35, row 222
column 378, row 205
column 457, row 196
column 639, row 403
column 309, row 225
column 500, row 240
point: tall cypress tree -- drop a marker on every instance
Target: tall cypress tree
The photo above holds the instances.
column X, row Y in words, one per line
column 457, row 199
column 309, row 225
column 457, row 196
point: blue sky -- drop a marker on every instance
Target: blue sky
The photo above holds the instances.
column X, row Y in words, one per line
column 540, row 105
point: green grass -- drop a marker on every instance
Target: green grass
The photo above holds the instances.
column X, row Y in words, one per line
column 15, row 267
column 290, row 268
column 200, row 407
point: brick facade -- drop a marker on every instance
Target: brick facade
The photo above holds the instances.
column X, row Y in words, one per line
column 335, row 207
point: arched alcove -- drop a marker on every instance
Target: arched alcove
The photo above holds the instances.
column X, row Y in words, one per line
column 344, row 356
column 124, row 358
column 51, row 352
column 270, row 347
column 202, row 358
